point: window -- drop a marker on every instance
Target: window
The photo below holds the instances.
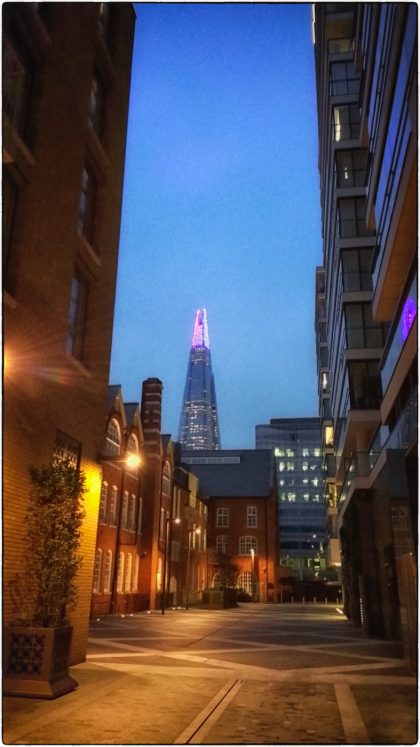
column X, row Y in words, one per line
column 113, row 438
column 17, row 83
column 120, row 572
column 10, row 195
column 132, row 444
column 222, row 543
column 104, row 22
column 245, row 582
column 140, row 516
column 162, row 524
column 246, row 544
column 159, row 575
column 107, row 572
column 103, row 502
column 350, row 168
column 67, row 449
column 97, row 571
column 222, row 519
column 124, row 510
column 166, row 479
column 132, row 513
column 128, row 572
column 96, row 105
column 77, row 316
column 361, row 330
column 346, row 122
column 251, row 516
column 352, row 218
column 343, row 79
column 135, row 584
column 113, row 506
column 355, row 264
column 365, row 385
column 87, row 204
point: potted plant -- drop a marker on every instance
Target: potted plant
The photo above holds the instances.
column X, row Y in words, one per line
column 37, row 644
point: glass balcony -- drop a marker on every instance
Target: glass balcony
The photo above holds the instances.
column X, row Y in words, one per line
column 358, row 466
column 404, row 322
column 402, row 436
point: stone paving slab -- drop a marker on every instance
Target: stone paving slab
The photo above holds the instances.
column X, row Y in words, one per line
column 151, row 679
column 388, row 713
column 265, row 713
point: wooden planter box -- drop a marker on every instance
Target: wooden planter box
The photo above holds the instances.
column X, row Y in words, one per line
column 36, row 662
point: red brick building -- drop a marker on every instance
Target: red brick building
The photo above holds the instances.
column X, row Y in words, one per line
column 188, row 558
column 118, row 544
column 66, row 80
column 242, row 524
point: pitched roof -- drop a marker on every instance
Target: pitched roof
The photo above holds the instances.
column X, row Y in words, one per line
column 232, row 473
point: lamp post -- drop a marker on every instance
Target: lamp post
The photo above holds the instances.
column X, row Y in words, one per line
column 166, row 560
column 131, row 461
column 252, row 573
column 193, row 530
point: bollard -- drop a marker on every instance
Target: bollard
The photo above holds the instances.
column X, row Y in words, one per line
column 314, row 600
column 326, row 600
column 337, row 600
column 303, row 600
column 292, row 600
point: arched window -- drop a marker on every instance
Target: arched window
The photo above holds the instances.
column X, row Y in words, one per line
column 97, row 571
column 140, row 516
column 245, row 582
column 246, row 544
column 166, row 479
column 113, row 438
column 132, row 444
column 103, row 502
column 135, row 584
column 128, row 572
column 159, row 575
column 218, row 580
column 132, row 513
column 107, row 572
column 120, row 572
column 124, row 510
column 113, row 506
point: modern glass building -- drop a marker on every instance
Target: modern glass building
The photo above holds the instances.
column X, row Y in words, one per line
column 366, row 305
column 296, row 443
column 199, row 426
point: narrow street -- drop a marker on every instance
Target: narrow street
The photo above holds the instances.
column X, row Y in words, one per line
column 291, row 674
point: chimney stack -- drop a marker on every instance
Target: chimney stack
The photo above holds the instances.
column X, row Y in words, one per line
column 151, row 409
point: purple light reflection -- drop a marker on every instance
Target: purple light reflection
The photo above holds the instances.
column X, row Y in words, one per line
column 407, row 318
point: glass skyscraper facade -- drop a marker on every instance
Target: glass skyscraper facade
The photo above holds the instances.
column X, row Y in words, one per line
column 296, row 444
column 199, row 425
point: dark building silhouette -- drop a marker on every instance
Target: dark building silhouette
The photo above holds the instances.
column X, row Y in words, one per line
column 199, row 426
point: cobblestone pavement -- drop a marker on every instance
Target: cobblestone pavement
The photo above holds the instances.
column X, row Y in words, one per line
column 281, row 674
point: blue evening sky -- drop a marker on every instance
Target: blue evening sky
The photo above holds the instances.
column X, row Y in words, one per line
column 221, row 209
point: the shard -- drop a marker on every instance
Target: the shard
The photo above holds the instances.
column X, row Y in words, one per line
column 199, row 426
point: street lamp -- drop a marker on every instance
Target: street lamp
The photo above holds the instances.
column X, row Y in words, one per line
column 252, row 573
column 166, row 560
column 193, row 530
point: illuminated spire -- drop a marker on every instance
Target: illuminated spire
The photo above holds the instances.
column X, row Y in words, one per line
column 199, row 424
column 200, row 338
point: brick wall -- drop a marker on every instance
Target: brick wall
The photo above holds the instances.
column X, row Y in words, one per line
column 45, row 389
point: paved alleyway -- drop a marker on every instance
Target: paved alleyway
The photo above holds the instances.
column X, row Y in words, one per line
column 254, row 675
